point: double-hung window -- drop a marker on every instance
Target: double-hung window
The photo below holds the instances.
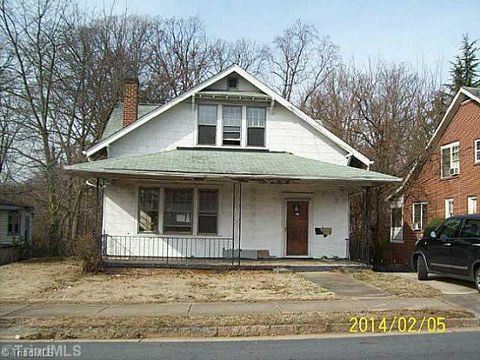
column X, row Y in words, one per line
column 13, row 223
column 477, row 151
column 207, row 124
column 419, row 215
column 207, row 211
column 256, row 123
column 178, row 212
column 148, row 208
column 232, row 125
column 448, row 208
column 472, row 204
column 450, row 157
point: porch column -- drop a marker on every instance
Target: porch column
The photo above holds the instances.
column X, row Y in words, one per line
column 366, row 223
column 236, row 220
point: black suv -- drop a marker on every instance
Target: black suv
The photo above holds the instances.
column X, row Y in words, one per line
column 452, row 250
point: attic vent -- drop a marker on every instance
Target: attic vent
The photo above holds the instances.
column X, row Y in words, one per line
column 232, row 82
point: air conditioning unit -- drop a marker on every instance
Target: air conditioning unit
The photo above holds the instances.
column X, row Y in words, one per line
column 416, row 226
column 454, row 171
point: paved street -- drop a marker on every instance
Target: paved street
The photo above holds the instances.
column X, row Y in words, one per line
column 459, row 346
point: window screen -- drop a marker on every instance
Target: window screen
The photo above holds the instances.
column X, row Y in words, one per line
column 178, row 210
column 207, row 124
column 148, row 210
column 207, row 211
column 256, row 122
column 232, row 125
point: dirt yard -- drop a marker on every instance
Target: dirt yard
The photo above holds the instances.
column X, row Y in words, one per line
column 62, row 281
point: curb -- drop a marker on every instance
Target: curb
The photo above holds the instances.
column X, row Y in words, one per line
column 235, row 330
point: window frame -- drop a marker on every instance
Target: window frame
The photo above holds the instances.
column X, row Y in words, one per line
column 471, row 200
column 199, row 212
column 264, row 127
column 207, row 125
column 164, row 212
column 422, row 215
column 11, row 216
column 140, row 188
column 240, row 126
column 476, row 151
column 446, row 205
column 450, row 147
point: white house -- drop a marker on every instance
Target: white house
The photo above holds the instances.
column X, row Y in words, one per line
column 228, row 165
column 15, row 230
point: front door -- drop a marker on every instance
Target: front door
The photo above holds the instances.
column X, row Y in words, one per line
column 297, row 228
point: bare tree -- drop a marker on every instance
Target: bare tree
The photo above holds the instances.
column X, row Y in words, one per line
column 300, row 61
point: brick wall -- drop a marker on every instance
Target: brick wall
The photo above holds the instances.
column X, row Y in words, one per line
column 130, row 101
column 429, row 187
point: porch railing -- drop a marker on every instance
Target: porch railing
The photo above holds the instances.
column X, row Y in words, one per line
column 166, row 248
column 359, row 250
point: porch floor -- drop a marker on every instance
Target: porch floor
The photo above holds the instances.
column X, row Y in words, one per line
column 245, row 264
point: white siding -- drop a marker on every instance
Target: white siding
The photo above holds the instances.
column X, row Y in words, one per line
column 242, row 85
column 263, row 216
column 177, row 127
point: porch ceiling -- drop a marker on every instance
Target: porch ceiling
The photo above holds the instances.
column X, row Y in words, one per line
column 232, row 164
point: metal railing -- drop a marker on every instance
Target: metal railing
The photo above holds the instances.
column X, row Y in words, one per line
column 168, row 248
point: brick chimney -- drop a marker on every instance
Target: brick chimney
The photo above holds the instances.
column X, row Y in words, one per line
column 130, row 101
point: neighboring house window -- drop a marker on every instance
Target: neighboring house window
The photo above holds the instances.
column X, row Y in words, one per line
column 419, row 215
column 396, row 229
column 477, row 151
column 448, row 208
column 232, row 125
column 148, row 208
column 472, row 205
column 256, row 123
column 177, row 217
column 450, row 157
column 207, row 124
column 13, row 223
column 470, row 229
column 207, row 211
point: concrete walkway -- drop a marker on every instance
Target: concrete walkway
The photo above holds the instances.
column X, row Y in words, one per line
column 186, row 309
column 343, row 285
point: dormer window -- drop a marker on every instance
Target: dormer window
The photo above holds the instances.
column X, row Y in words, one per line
column 232, row 83
column 232, row 125
column 450, row 157
column 207, row 124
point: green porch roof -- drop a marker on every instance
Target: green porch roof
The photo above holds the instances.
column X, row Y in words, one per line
column 215, row 163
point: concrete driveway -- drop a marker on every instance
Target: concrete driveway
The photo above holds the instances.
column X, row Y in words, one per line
column 445, row 285
column 462, row 293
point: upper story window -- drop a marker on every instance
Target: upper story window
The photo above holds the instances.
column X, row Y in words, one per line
column 450, row 158
column 477, row 151
column 419, row 215
column 13, row 223
column 256, row 123
column 207, row 124
column 232, row 125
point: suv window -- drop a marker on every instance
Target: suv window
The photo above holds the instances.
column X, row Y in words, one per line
column 471, row 229
column 449, row 229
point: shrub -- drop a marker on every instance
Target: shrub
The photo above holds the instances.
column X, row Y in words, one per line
column 88, row 250
column 432, row 226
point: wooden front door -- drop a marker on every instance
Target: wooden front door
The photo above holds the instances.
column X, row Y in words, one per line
column 297, row 228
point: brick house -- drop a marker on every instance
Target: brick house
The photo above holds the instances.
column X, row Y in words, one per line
column 444, row 182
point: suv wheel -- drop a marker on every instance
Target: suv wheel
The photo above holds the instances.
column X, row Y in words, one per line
column 477, row 279
column 422, row 269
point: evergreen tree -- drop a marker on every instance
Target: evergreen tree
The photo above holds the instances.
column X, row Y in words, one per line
column 465, row 69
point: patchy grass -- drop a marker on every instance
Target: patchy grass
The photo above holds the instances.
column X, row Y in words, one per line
column 219, row 325
column 395, row 285
column 62, row 281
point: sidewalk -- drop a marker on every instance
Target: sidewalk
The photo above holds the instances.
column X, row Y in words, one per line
column 189, row 309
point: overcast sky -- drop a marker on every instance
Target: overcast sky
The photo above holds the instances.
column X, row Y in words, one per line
column 418, row 32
